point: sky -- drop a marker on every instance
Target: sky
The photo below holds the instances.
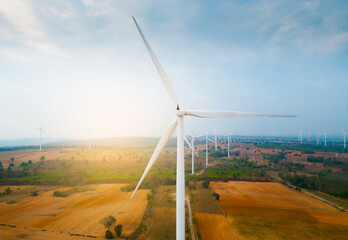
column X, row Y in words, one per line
column 80, row 68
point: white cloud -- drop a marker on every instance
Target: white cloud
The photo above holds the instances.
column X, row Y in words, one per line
column 24, row 28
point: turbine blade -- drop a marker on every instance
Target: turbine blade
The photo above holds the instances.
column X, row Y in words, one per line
column 228, row 114
column 230, row 140
column 161, row 144
column 44, row 132
column 188, row 143
column 159, row 68
column 198, row 136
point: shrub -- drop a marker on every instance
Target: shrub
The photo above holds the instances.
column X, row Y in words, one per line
column 60, row 194
column 34, row 193
column 217, row 196
column 206, row 184
column 7, row 191
column 108, row 234
column 128, row 188
column 118, row 229
column 108, row 222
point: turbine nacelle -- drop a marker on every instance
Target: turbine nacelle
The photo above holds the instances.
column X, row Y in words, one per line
column 180, row 113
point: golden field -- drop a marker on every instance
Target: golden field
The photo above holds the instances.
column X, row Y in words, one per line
column 49, row 217
column 265, row 210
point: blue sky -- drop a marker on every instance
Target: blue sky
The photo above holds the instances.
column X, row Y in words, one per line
column 75, row 66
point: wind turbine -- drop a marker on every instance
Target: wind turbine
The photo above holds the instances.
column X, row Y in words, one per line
column 228, row 145
column 317, row 137
column 41, row 131
column 344, row 138
column 215, row 138
column 178, row 123
column 206, row 147
column 300, row 135
column 325, row 134
column 193, row 151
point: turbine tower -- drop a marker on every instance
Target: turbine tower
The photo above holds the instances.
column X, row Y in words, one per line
column 215, row 139
column 178, row 123
column 300, row 135
column 344, row 138
column 325, row 134
column 206, row 147
column 228, row 145
column 193, row 150
column 317, row 137
column 41, row 131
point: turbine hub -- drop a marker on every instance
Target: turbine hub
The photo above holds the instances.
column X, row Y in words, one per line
column 180, row 113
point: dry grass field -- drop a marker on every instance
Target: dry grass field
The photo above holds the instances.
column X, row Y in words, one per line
column 258, row 210
column 78, row 213
column 214, row 226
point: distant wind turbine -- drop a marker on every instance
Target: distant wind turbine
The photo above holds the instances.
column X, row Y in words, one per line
column 228, row 145
column 215, row 138
column 193, row 151
column 300, row 135
column 178, row 123
column 344, row 138
column 41, row 131
column 206, row 147
column 325, row 134
column 317, row 137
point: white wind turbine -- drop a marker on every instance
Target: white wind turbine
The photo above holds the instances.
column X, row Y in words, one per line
column 193, row 150
column 325, row 135
column 206, row 147
column 178, row 123
column 300, row 135
column 344, row 138
column 41, row 131
column 228, row 145
column 215, row 139
column 317, row 137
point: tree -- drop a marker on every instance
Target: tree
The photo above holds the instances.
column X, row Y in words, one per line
column 118, row 230
column 34, row 193
column 1, row 167
column 42, row 158
column 217, row 196
column 206, row 184
column 12, row 159
column 7, row 191
column 108, row 234
column 108, row 221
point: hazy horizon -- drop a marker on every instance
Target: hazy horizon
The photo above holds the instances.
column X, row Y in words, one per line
column 80, row 68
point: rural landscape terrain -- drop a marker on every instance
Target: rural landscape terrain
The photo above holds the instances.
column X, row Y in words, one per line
column 267, row 188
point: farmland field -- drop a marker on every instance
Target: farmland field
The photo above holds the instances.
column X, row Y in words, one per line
column 258, row 210
column 38, row 217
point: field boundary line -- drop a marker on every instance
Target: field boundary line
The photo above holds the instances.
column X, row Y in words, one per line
column 190, row 218
column 312, row 195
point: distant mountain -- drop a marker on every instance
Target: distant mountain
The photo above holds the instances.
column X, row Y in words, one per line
column 26, row 142
column 120, row 142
